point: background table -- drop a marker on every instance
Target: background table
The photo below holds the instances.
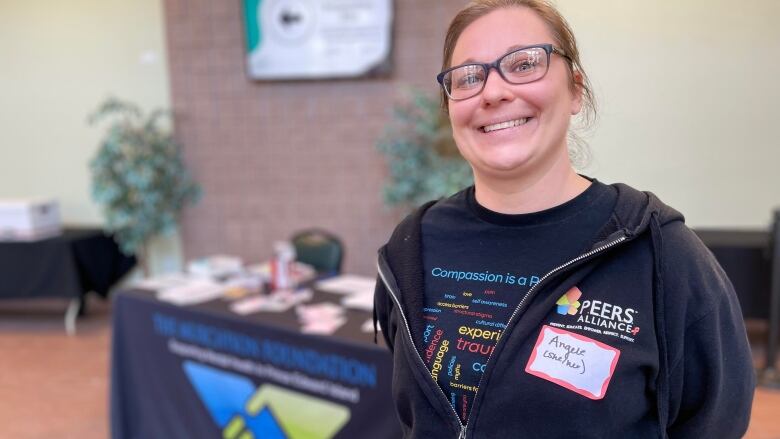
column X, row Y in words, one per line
column 746, row 257
column 67, row 266
column 204, row 372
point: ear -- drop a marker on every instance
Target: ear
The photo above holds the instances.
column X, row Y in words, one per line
column 576, row 93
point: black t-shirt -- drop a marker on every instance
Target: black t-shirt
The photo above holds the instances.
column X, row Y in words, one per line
column 479, row 263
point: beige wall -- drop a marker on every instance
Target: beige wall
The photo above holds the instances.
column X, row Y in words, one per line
column 689, row 96
column 58, row 61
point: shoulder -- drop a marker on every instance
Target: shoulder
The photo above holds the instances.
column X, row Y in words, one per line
column 404, row 241
column 410, row 225
column 692, row 277
column 682, row 245
column 693, row 282
column 409, row 229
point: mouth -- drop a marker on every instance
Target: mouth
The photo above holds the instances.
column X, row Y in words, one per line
column 504, row 125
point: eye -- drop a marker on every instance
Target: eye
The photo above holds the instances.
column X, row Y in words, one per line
column 522, row 66
column 467, row 77
column 469, row 80
column 521, row 63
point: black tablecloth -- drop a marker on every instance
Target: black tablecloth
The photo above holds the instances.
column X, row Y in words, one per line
column 70, row 265
column 204, row 372
column 746, row 258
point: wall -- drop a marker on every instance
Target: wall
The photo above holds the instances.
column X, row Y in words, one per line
column 59, row 61
column 276, row 157
column 687, row 91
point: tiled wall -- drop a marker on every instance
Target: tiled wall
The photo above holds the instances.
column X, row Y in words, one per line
column 275, row 157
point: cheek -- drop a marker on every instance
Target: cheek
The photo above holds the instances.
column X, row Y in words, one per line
column 539, row 97
column 459, row 123
column 460, row 116
column 557, row 106
column 552, row 95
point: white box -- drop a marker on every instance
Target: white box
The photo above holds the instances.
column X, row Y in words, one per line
column 29, row 219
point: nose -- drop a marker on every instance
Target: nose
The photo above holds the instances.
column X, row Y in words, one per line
column 496, row 89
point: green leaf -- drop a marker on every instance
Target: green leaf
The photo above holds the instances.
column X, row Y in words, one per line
column 419, row 169
column 138, row 176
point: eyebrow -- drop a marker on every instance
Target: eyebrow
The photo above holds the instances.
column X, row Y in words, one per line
column 509, row 49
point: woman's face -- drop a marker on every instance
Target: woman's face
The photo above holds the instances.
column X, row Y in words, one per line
column 546, row 105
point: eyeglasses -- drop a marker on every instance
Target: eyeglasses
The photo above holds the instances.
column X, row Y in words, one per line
column 519, row 66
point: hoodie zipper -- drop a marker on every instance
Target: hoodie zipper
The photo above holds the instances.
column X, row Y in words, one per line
column 462, row 434
column 532, row 289
column 463, row 427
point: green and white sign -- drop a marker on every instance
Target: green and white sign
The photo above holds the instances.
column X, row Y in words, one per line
column 310, row 39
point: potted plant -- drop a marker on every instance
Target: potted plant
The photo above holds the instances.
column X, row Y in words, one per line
column 138, row 176
column 422, row 158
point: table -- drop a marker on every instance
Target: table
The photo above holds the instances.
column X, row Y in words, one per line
column 745, row 256
column 202, row 371
column 69, row 266
column 752, row 261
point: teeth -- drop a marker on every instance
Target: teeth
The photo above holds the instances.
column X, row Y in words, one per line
column 504, row 125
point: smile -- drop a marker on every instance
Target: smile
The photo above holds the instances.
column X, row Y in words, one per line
column 505, row 125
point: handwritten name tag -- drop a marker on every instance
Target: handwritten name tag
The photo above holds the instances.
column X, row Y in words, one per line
column 576, row 362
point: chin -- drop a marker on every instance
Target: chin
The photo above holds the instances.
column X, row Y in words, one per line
column 502, row 169
column 517, row 159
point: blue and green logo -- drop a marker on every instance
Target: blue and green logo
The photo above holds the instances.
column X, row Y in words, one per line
column 569, row 302
column 268, row 412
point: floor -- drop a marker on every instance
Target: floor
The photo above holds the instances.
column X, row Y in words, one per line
column 53, row 385
column 56, row 386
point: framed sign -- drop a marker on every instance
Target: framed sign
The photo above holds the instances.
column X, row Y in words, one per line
column 313, row 39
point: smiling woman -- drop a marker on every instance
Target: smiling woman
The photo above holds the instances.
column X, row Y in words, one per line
column 513, row 130
column 511, row 83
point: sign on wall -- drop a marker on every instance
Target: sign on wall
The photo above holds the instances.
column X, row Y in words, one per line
column 310, row 39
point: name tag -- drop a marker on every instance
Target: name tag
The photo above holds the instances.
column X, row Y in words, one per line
column 576, row 362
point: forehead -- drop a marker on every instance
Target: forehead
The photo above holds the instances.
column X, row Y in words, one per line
column 493, row 34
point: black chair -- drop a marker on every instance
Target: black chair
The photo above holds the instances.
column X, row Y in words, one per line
column 320, row 249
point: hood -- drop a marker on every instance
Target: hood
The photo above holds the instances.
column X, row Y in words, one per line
column 634, row 210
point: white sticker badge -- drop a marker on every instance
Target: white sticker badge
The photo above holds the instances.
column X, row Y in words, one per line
column 576, row 362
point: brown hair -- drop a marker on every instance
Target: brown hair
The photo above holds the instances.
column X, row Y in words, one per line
column 560, row 29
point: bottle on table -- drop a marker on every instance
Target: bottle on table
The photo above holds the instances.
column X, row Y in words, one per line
column 281, row 266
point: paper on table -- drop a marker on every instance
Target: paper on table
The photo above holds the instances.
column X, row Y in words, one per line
column 299, row 272
column 192, row 292
column 359, row 301
column 323, row 327
column 325, row 309
column 163, row 282
column 348, row 284
column 276, row 302
column 368, row 326
column 321, row 318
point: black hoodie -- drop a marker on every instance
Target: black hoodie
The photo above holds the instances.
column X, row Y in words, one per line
column 651, row 292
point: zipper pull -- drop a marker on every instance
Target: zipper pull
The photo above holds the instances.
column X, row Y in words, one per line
column 462, row 434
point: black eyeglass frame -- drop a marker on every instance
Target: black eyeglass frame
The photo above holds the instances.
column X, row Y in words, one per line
column 548, row 49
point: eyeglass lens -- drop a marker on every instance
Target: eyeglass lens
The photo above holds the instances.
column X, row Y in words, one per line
column 518, row 67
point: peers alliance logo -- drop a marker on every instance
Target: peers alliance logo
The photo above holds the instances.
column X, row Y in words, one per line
column 598, row 316
column 569, row 302
column 245, row 412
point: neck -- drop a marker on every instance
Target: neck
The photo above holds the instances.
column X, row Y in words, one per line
column 531, row 191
